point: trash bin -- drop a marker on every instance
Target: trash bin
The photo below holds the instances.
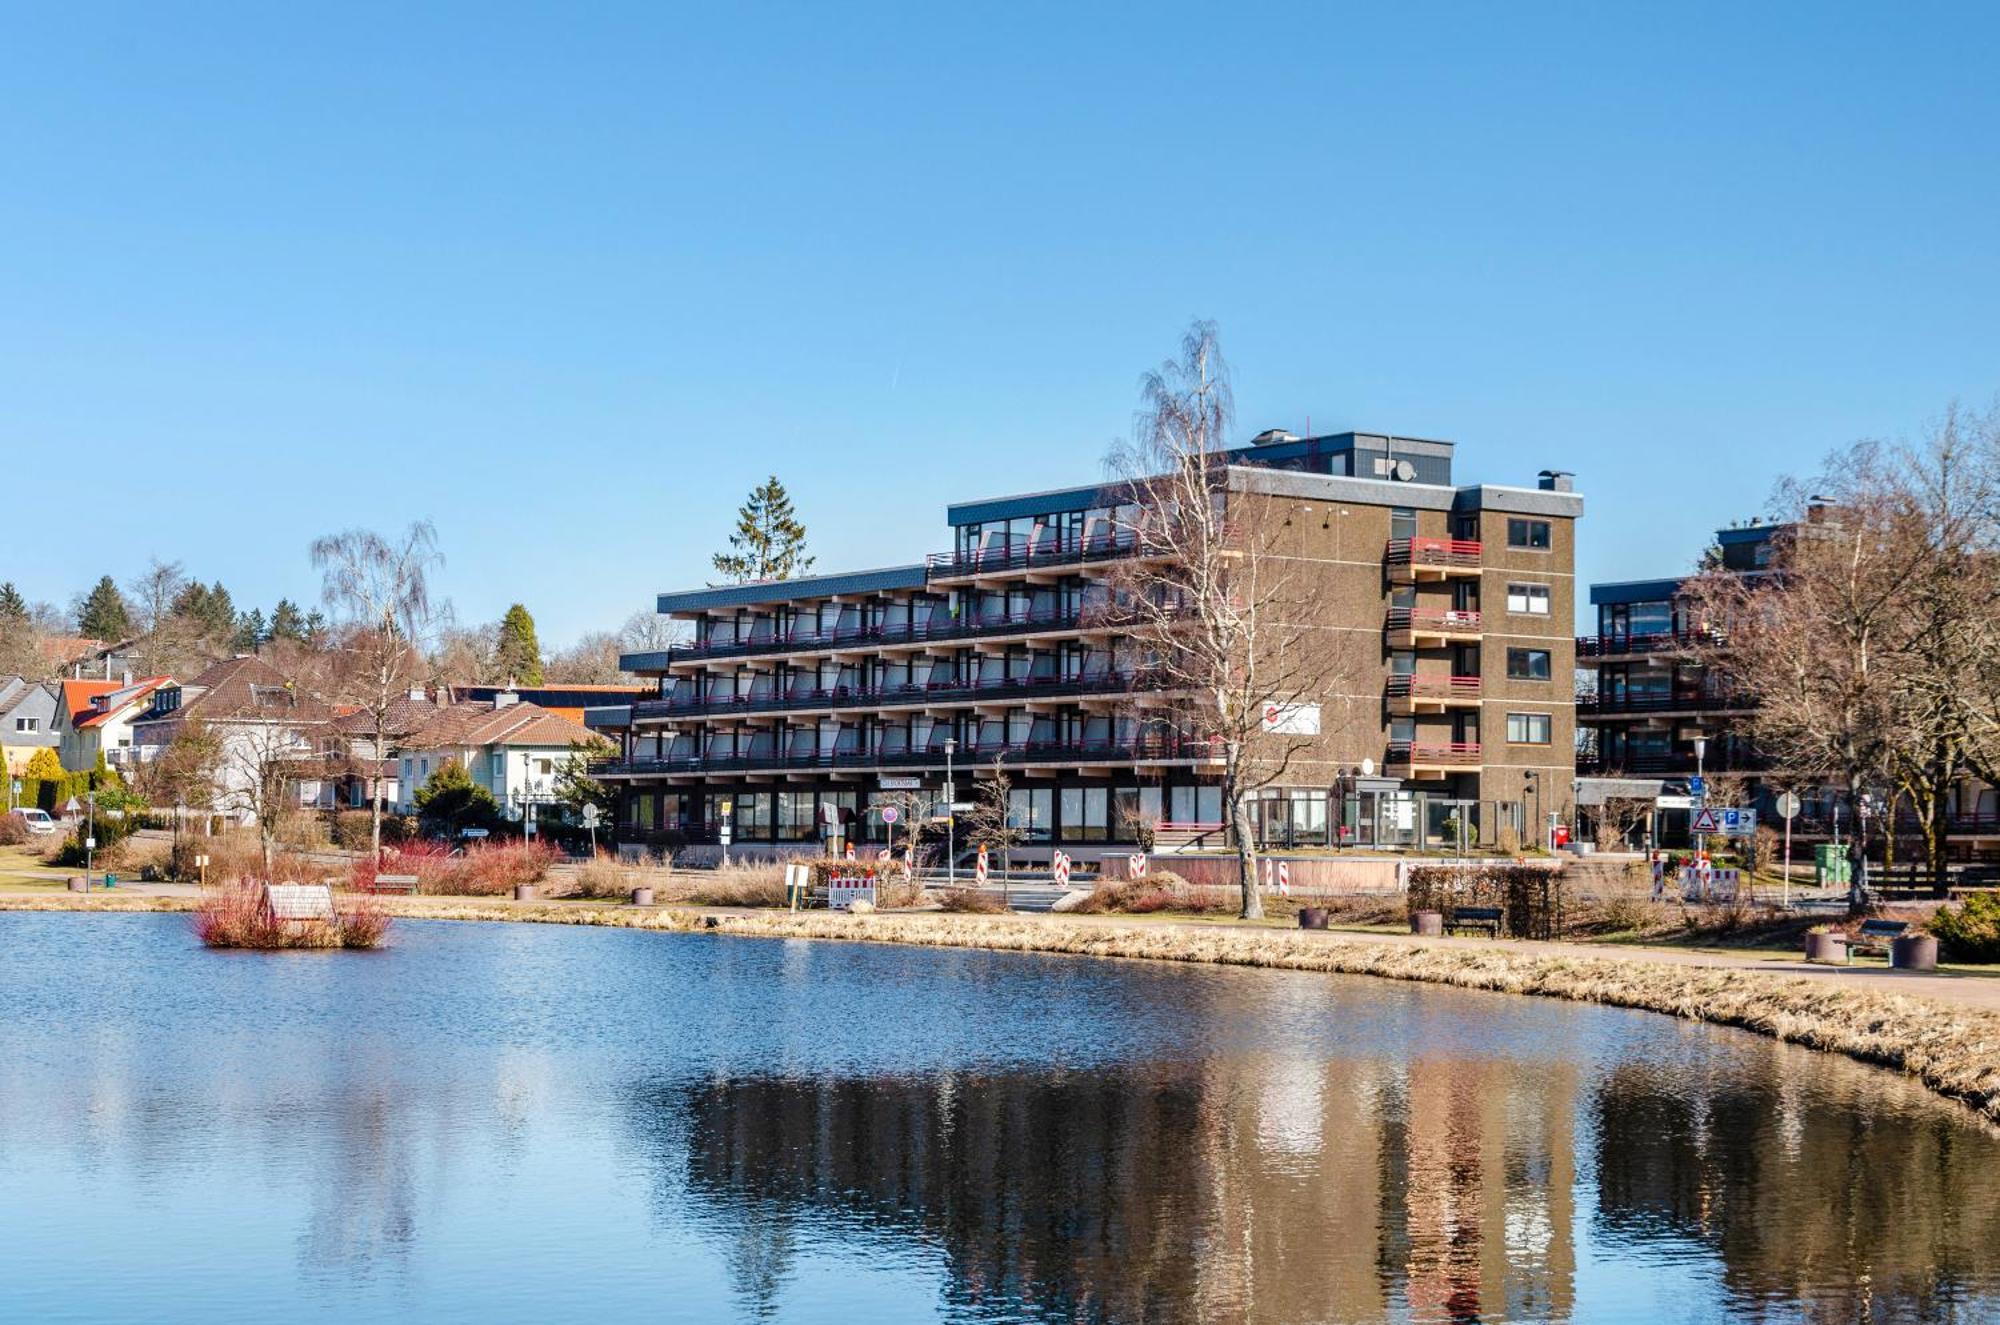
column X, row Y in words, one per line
column 1830, row 865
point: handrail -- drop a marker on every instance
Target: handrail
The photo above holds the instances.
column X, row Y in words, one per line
column 1060, row 550
column 1602, row 646
column 1409, row 686
column 1698, row 701
column 967, row 755
column 1439, row 618
column 1433, row 552
column 934, row 692
column 1439, row 752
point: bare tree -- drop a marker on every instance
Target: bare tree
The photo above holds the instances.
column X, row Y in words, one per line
column 592, row 660
column 377, row 593
column 990, row 821
column 648, row 632
column 1216, row 600
column 262, row 764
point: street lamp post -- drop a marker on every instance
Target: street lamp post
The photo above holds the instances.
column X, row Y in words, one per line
column 90, row 835
column 950, row 818
column 1701, row 780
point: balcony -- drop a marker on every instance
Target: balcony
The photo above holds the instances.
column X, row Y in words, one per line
column 1620, row 646
column 998, row 691
column 1410, row 695
column 1411, row 560
column 1668, row 763
column 1434, row 759
column 938, row 627
column 1043, row 554
column 1162, row 749
column 1431, row 627
column 1662, row 705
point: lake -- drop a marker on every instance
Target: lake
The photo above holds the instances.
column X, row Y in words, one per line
column 488, row 1122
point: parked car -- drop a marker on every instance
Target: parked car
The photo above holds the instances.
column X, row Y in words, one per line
column 36, row 821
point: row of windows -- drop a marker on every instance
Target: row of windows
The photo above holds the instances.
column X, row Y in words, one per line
column 27, row 724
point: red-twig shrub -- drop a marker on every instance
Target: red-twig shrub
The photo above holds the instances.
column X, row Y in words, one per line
column 480, row 871
column 235, row 917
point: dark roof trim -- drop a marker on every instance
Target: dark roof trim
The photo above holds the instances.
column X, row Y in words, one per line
column 1635, row 591
column 786, row 591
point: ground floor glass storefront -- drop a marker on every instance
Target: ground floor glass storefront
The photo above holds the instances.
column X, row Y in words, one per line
column 1373, row 813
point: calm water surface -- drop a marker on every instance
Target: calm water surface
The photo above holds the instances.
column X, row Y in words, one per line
column 522, row 1122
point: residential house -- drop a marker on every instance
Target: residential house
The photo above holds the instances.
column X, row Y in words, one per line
column 511, row 748
column 371, row 767
column 262, row 721
column 27, row 721
column 95, row 718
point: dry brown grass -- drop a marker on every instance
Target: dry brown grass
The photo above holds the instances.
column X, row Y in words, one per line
column 1951, row 1049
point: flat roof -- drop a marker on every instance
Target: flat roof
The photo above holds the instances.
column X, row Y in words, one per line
column 1636, row 591
column 784, row 591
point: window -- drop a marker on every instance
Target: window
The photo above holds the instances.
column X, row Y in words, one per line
column 1086, row 814
column 1528, row 729
column 1528, row 664
column 1529, row 534
column 1532, row 599
column 500, row 765
column 27, row 724
column 1032, row 809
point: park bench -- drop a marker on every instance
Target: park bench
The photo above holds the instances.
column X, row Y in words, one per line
column 1875, row 936
column 1474, row 917
column 394, row 883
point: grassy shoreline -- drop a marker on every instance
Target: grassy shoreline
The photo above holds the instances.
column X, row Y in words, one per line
column 1955, row 1051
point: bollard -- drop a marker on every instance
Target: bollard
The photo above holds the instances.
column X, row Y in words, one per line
column 642, row 897
column 524, row 892
column 1430, row 924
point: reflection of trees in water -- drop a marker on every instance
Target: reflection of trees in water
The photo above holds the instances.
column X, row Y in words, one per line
column 1250, row 1189
column 1808, row 1182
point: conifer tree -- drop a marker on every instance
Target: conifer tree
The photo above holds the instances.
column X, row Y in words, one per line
column 287, row 622
column 13, row 607
column 770, row 540
column 519, row 656
column 103, row 614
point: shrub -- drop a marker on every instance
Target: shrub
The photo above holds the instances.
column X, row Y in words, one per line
column 110, row 834
column 13, row 832
column 602, row 876
column 1530, row 897
column 1970, row 931
column 482, row 871
column 352, row 830
column 970, row 901
column 235, row 917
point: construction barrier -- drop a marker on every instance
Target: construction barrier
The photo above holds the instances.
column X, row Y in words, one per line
column 1137, row 865
column 1061, row 870
column 979, row 870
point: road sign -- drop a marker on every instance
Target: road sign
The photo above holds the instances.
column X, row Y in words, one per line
column 475, row 832
column 1704, row 821
column 950, row 792
column 901, row 784
column 1673, row 803
column 1737, row 823
column 72, row 805
column 1697, row 786
column 1787, row 805
column 890, row 814
column 592, row 816
column 963, row 807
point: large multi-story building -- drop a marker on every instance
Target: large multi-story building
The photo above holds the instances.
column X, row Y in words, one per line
column 800, row 704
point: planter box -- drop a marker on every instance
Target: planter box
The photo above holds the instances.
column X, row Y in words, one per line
column 1826, row 947
column 524, row 892
column 1428, row 923
column 1913, row 952
column 642, row 897
column 1312, row 917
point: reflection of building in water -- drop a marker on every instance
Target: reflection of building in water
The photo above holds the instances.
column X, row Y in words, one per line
column 1804, row 1190
column 1248, row 1189
column 1479, row 1171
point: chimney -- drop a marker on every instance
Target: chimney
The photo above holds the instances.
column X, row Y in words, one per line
column 1557, row 480
column 504, row 698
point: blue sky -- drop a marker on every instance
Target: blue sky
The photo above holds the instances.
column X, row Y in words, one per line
column 569, row 280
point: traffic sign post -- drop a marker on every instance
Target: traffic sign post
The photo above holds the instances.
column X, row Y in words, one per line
column 1787, row 806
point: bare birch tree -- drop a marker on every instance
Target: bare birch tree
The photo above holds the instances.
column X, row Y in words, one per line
column 1226, row 627
column 377, row 594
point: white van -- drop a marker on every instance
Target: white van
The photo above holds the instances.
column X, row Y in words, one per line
column 37, row 821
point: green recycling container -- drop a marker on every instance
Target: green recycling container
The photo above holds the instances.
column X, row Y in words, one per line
column 1830, row 865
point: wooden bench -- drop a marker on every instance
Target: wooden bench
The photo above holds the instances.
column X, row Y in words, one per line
column 1875, row 936
column 1474, row 917
column 394, row 883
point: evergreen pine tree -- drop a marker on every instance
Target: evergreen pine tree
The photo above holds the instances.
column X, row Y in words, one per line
column 287, row 623
column 251, row 632
column 103, row 614
column 519, row 656
column 769, row 542
column 13, row 607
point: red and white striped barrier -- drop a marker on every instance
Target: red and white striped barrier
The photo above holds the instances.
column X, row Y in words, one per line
column 883, row 856
column 1138, row 865
column 979, row 870
column 1284, row 878
column 1062, row 870
column 850, row 851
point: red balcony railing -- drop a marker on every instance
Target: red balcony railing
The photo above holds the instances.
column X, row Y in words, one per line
column 1454, row 620
column 1434, row 687
column 1453, row 553
column 1451, row 754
